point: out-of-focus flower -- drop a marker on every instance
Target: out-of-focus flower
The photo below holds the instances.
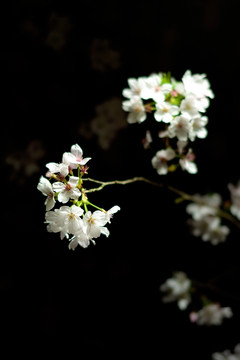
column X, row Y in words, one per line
column 102, row 57
column 235, row 199
column 109, row 120
column 136, row 109
column 206, row 205
column 160, row 160
column 227, row 355
column 25, row 163
column 165, row 112
column 177, row 289
column 59, row 29
column 211, row 314
column 209, row 228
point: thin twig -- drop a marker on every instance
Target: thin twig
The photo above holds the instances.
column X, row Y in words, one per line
column 181, row 193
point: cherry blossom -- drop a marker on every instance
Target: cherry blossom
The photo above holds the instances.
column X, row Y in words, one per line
column 180, row 127
column 206, row 205
column 235, row 199
column 187, row 162
column 160, row 160
column 227, row 355
column 46, row 189
column 154, row 89
column 177, row 289
column 198, row 129
column 197, row 85
column 165, row 112
column 137, row 112
column 211, row 314
column 55, row 168
column 75, row 157
column 66, row 220
column 189, row 106
column 67, row 190
column 136, row 87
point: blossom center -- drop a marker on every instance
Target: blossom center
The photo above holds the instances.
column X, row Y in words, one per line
column 68, row 187
column 91, row 220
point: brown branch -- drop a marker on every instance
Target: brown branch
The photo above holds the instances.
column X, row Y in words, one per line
column 182, row 194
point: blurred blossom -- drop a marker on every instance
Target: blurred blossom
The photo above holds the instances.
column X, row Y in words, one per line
column 235, row 199
column 25, row 163
column 227, row 355
column 109, row 119
column 177, row 289
column 205, row 222
column 102, row 57
column 211, row 314
column 147, row 140
column 59, row 28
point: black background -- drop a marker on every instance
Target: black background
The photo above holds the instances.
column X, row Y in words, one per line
column 105, row 300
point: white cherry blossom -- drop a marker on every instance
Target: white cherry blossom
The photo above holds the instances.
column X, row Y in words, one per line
column 67, row 190
column 66, row 220
column 207, row 205
column 211, row 314
column 198, row 127
column 187, row 162
column 74, row 158
column 46, row 189
column 154, row 90
column 137, row 112
column 136, row 87
column 227, row 355
column 160, row 160
column 80, row 238
column 55, row 168
column 165, row 112
column 177, row 289
column 209, row 228
column 94, row 223
column 197, row 85
column 215, row 232
column 189, row 106
column 180, row 127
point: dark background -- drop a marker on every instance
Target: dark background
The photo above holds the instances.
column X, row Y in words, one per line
column 105, row 300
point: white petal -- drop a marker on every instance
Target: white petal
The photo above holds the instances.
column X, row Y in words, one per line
column 58, row 186
column 76, row 210
column 105, row 231
column 114, row 209
column 76, row 150
column 63, row 197
column 74, row 193
column 50, row 202
column 84, row 161
column 44, row 186
column 100, row 218
column 73, row 181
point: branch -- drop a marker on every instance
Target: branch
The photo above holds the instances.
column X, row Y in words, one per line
column 182, row 194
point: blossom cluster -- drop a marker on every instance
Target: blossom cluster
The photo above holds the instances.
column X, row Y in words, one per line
column 205, row 221
column 178, row 289
column 227, row 354
column 178, row 107
column 73, row 221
